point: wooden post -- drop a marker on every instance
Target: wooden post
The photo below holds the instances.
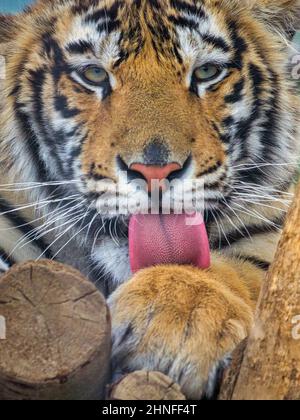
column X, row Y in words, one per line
column 270, row 365
column 57, row 327
column 143, row 385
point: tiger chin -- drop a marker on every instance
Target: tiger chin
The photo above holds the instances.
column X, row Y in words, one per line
column 97, row 94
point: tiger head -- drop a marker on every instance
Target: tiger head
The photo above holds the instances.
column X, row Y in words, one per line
column 161, row 89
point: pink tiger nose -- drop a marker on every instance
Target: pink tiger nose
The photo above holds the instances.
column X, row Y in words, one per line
column 154, row 172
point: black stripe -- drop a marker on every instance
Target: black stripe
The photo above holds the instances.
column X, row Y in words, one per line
column 75, row 131
column 105, row 13
column 33, row 146
column 263, row 265
column 160, row 31
column 15, row 91
column 37, row 80
column 244, row 127
column 21, row 224
column 60, row 67
column 216, row 41
column 155, row 5
column 188, row 8
column 236, row 94
column 123, row 56
column 224, row 137
column 108, row 27
column 210, row 170
column 228, row 122
column 32, row 143
column 6, row 258
column 239, row 45
column 183, row 22
column 61, row 105
column 80, row 8
column 80, row 47
column 109, row 15
column 269, row 136
column 95, row 17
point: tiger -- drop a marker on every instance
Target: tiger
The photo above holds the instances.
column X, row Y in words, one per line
column 188, row 89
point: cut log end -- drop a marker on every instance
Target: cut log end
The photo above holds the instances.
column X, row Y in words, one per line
column 57, row 327
column 143, row 385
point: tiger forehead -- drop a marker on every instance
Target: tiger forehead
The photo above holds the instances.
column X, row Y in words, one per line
column 142, row 25
column 139, row 10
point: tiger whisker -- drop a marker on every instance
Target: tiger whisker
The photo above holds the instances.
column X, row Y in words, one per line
column 223, row 232
column 97, row 236
column 72, row 237
column 261, row 165
column 34, row 204
column 231, row 222
column 90, row 225
column 111, row 233
column 39, row 229
column 261, row 199
column 262, row 204
column 25, row 187
column 255, row 214
column 23, row 224
column 58, row 237
column 260, row 196
column 218, row 227
column 45, row 232
column 237, row 216
column 259, row 188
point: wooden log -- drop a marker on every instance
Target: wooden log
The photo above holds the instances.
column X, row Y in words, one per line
column 58, row 336
column 231, row 374
column 144, row 385
column 270, row 366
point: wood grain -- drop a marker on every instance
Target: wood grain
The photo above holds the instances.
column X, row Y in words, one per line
column 58, row 334
column 270, row 365
column 144, row 385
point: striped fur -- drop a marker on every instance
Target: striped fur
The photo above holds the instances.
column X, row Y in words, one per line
column 60, row 136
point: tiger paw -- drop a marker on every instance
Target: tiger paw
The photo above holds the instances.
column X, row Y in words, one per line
column 180, row 321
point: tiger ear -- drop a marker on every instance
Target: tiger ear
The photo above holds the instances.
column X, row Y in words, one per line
column 8, row 28
column 281, row 16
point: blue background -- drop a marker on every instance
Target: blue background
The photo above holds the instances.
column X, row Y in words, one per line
column 13, row 5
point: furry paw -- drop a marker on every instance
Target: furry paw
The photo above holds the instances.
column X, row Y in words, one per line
column 180, row 321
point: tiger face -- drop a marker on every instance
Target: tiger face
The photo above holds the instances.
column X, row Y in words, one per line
column 164, row 89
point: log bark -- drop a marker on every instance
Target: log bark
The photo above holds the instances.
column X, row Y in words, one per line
column 270, row 365
column 143, row 385
column 57, row 344
column 231, row 374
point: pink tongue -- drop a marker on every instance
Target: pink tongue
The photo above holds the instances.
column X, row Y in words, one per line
column 168, row 239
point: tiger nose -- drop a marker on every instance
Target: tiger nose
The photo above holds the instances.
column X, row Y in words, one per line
column 155, row 173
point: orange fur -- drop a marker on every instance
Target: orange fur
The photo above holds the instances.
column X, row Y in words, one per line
column 185, row 317
column 179, row 320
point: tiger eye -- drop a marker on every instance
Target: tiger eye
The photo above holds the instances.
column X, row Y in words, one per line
column 95, row 75
column 207, row 72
